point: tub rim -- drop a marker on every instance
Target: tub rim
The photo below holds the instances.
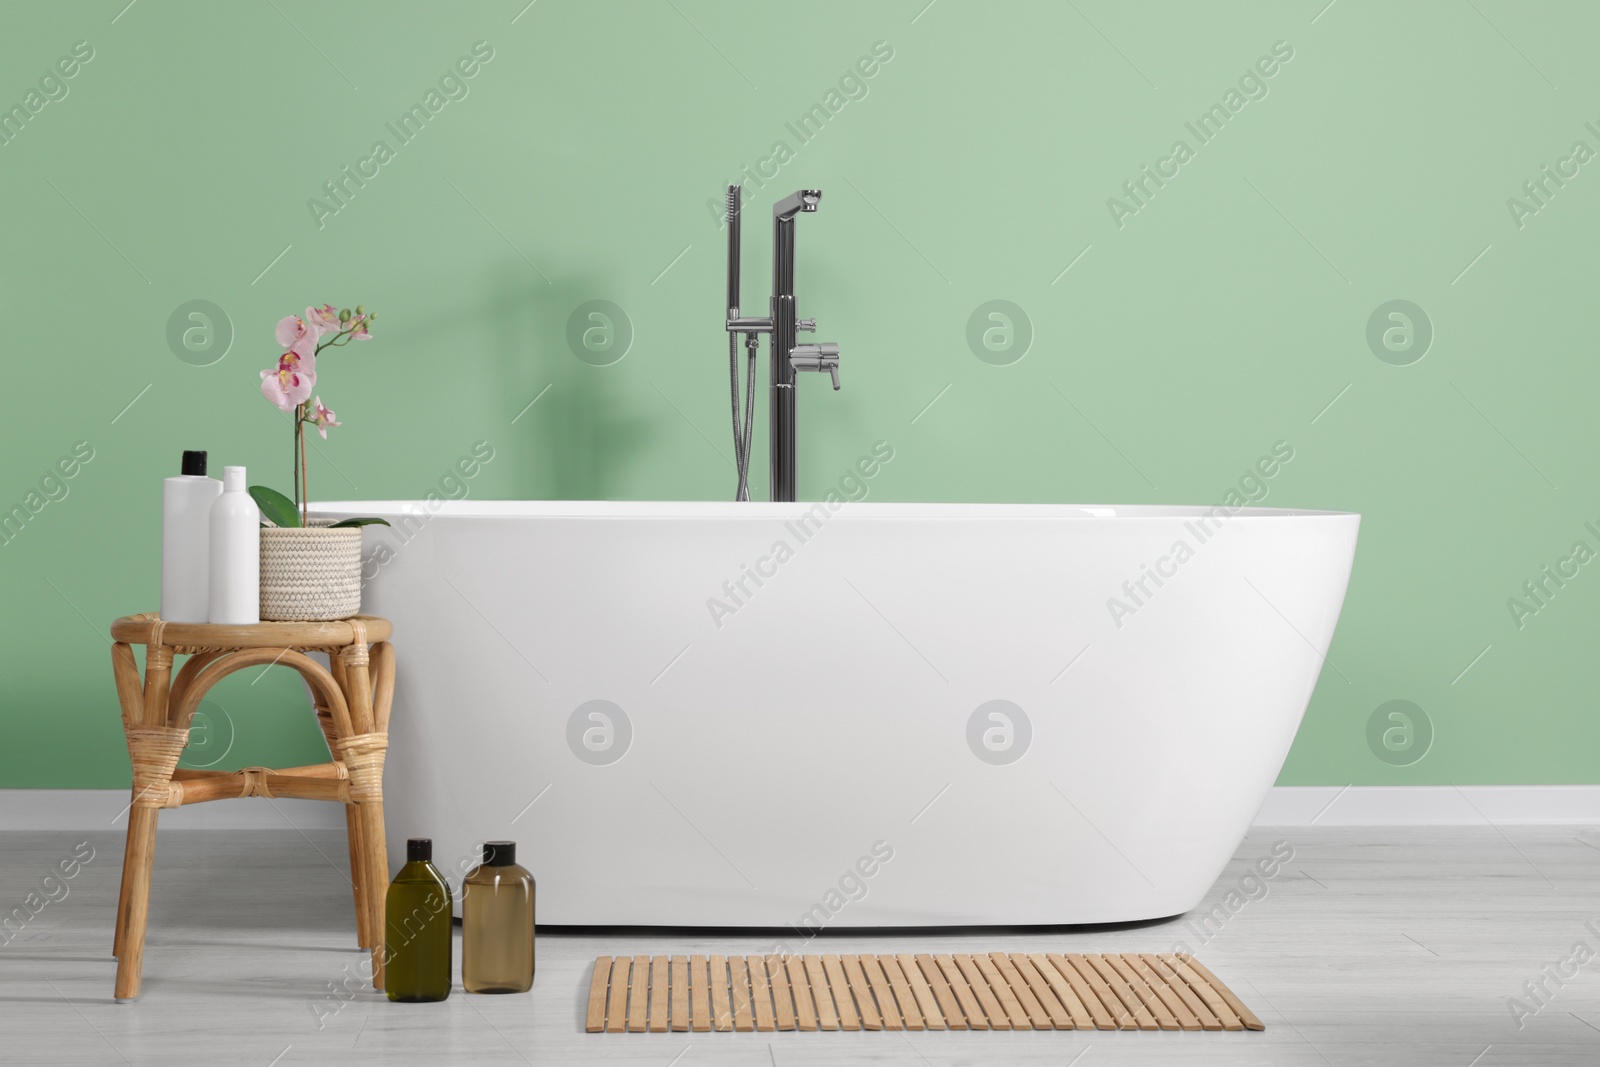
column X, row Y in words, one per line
column 767, row 510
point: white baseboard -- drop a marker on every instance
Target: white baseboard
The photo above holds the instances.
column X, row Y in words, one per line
column 1427, row 805
column 1430, row 805
column 107, row 809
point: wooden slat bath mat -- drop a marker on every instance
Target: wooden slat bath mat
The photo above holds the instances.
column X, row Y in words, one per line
column 997, row 991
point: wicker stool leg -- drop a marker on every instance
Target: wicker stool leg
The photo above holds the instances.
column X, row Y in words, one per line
column 155, row 751
column 130, row 693
column 352, row 828
column 141, row 854
column 362, row 755
column 365, row 938
column 380, row 675
column 122, row 900
column 374, row 860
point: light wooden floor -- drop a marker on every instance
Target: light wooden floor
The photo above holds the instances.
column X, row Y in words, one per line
column 1373, row 946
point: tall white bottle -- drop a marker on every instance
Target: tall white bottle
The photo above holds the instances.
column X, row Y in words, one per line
column 235, row 592
column 185, row 539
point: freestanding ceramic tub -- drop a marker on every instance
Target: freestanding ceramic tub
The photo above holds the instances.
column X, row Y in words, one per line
column 874, row 714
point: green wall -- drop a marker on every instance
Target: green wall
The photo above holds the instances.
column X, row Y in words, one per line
column 1196, row 327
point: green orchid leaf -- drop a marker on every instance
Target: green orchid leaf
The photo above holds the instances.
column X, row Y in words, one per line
column 279, row 509
column 344, row 524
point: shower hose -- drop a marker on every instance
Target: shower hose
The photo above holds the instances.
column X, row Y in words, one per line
column 741, row 436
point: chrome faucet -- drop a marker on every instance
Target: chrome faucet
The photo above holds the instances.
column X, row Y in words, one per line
column 787, row 358
column 822, row 357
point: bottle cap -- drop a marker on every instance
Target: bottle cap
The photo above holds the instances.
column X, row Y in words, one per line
column 499, row 853
column 419, row 849
column 233, row 479
column 194, row 463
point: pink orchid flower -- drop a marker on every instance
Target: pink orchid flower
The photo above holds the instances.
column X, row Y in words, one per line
column 295, row 335
column 324, row 318
column 288, row 386
column 324, row 418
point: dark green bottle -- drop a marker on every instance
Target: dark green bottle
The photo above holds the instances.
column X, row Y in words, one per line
column 417, row 939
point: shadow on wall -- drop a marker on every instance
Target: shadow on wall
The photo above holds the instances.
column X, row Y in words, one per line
column 556, row 349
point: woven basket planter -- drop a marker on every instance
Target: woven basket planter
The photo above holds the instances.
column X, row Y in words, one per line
column 310, row 574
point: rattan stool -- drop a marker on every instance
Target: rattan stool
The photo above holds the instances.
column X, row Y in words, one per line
column 352, row 698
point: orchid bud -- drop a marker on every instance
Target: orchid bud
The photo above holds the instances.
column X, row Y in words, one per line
column 344, row 315
column 360, row 310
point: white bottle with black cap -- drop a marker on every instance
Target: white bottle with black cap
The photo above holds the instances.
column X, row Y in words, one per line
column 235, row 553
column 185, row 539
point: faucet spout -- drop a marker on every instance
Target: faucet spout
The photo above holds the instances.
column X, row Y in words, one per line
column 796, row 202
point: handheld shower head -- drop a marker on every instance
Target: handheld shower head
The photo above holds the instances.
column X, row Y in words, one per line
column 732, row 219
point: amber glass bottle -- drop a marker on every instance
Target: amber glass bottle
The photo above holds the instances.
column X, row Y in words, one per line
column 417, row 941
column 497, row 923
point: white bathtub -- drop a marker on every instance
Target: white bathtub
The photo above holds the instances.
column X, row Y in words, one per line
column 820, row 749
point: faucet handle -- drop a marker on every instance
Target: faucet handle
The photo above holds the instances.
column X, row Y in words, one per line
column 805, row 325
column 817, row 357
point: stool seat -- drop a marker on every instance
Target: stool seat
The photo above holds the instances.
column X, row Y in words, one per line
column 199, row 636
column 352, row 695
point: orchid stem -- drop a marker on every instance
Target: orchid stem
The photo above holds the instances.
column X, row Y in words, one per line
column 305, row 488
column 341, row 339
column 295, row 453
